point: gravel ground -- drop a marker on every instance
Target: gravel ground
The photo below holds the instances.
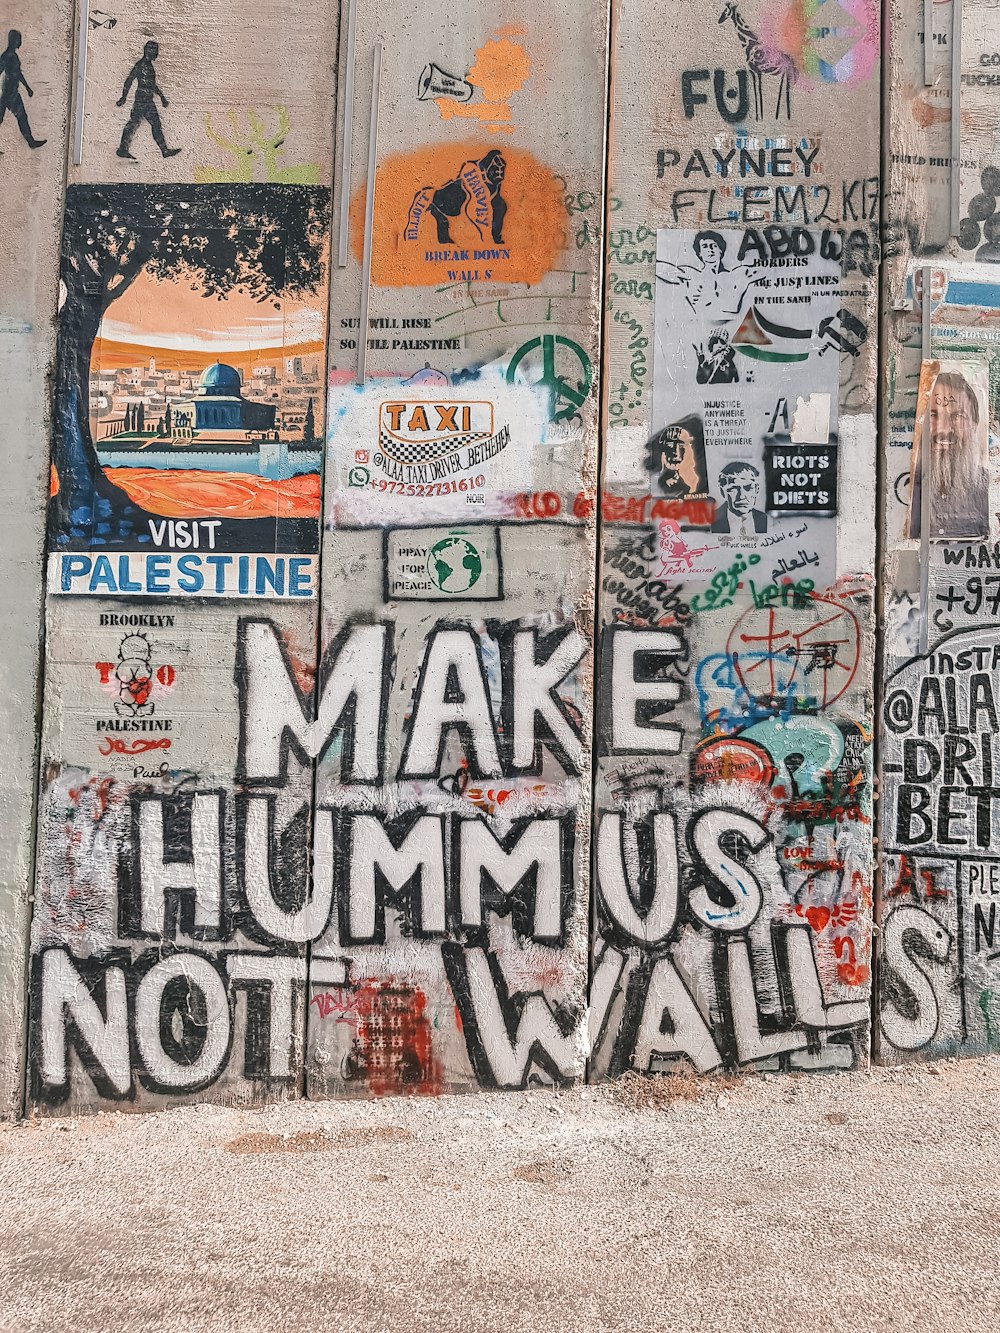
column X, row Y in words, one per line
column 860, row 1202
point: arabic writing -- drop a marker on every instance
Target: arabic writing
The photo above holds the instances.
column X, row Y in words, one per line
column 787, row 564
column 724, row 586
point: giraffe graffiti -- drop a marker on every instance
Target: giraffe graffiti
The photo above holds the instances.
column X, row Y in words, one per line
column 762, row 59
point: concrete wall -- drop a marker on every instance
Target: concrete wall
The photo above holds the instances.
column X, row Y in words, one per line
column 938, row 988
column 734, row 858
column 327, row 645
column 152, row 976
column 29, row 251
column 470, row 552
column 341, row 851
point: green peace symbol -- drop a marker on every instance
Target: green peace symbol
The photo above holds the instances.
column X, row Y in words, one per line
column 560, row 389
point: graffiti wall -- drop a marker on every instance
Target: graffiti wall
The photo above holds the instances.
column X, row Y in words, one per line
column 187, row 441
column 315, row 772
column 447, row 460
column 938, row 981
column 733, row 871
column 458, row 562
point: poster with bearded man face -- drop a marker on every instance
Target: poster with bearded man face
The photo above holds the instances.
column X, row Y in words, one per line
column 953, row 410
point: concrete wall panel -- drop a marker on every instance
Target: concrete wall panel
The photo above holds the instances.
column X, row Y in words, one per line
column 938, row 975
column 734, row 796
column 461, row 851
column 189, row 416
column 29, row 247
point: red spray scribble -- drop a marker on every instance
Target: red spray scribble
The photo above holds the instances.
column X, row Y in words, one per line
column 392, row 1052
column 341, row 1000
column 820, row 636
column 906, row 882
column 116, row 746
column 819, row 917
column 103, row 788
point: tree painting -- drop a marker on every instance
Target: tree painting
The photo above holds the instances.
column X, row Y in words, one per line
column 266, row 241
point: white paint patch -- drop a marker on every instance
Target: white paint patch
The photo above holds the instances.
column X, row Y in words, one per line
column 811, row 422
column 856, row 519
column 445, row 452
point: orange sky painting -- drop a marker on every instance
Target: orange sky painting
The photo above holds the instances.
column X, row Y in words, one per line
column 180, row 326
column 109, row 355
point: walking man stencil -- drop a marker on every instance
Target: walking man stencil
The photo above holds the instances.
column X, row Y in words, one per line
column 11, row 79
column 143, row 75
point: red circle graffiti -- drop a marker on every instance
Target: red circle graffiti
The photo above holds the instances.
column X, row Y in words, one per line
column 817, row 642
column 729, row 760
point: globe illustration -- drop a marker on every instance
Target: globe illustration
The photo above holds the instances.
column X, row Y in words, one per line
column 454, row 565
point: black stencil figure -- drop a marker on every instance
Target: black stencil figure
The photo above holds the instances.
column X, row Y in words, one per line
column 739, row 483
column 717, row 365
column 762, row 60
column 451, row 199
column 11, row 79
column 143, row 75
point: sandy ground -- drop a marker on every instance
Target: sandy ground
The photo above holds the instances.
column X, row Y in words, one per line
column 860, row 1202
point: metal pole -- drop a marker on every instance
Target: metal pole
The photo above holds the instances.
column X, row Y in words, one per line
column 928, row 42
column 924, row 463
column 81, row 81
column 926, row 468
column 956, row 115
column 925, row 314
column 366, row 265
column 347, row 138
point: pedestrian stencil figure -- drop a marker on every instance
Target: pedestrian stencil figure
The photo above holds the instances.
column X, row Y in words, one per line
column 143, row 75
column 11, row 79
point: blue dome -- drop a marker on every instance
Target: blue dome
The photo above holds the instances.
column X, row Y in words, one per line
column 221, row 379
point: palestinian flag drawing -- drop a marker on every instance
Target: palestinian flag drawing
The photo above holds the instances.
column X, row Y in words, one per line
column 763, row 340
